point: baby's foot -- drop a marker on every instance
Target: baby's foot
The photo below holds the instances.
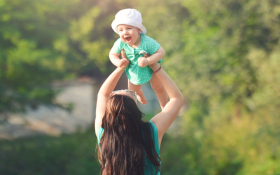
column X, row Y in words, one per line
column 142, row 99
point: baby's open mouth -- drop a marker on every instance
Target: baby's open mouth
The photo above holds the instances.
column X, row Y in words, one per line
column 128, row 39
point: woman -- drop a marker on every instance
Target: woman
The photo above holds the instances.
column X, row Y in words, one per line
column 128, row 145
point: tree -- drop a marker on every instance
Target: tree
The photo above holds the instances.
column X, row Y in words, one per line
column 27, row 59
column 223, row 55
column 47, row 40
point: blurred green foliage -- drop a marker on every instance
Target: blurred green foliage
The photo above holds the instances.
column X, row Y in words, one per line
column 69, row 155
column 224, row 56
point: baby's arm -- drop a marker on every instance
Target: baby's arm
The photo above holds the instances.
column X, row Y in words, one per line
column 156, row 56
column 115, row 59
column 143, row 62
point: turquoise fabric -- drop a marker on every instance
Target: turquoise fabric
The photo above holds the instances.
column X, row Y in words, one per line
column 148, row 165
column 134, row 72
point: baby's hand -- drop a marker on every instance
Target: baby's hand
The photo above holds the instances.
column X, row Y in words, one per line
column 143, row 62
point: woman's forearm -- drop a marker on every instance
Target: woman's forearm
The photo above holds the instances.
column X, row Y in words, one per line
column 170, row 87
column 110, row 83
column 105, row 90
column 164, row 119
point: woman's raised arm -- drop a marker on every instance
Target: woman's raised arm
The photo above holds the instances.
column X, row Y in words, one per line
column 104, row 93
column 168, row 114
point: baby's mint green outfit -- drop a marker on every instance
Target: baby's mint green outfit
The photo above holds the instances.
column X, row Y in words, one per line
column 149, row 169
column 134, row 72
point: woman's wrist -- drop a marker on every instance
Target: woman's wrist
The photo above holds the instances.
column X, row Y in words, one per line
column 155, row 66
column 158, row 69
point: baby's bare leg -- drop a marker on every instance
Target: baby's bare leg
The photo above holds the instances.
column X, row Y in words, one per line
column 159, row 90
column 140, row 95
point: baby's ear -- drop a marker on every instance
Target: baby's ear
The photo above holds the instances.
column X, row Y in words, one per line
column 139, row 31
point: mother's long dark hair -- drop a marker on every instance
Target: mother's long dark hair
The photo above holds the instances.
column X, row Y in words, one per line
column 126, row 139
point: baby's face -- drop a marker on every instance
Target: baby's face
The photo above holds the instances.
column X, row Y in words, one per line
column 129, row 34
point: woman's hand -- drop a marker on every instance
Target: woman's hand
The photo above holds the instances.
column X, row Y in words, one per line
column 123, row 63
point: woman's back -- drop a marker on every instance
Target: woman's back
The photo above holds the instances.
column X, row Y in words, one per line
column 149, row 168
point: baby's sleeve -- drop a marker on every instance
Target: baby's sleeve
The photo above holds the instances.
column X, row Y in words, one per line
column 152, row 45
column 117, row 47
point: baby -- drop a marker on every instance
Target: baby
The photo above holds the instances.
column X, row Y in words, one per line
column 141, row 51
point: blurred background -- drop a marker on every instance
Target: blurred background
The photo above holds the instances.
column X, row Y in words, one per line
column 223, row 54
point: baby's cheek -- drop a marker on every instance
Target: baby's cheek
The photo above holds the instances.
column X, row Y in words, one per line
column 123, row 39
